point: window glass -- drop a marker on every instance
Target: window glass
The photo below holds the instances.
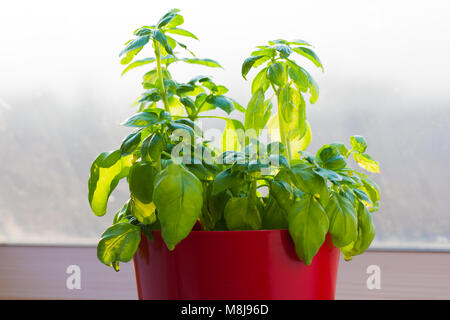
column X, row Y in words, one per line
column 62, row 99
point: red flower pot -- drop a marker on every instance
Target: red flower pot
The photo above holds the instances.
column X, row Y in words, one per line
column 233, row 265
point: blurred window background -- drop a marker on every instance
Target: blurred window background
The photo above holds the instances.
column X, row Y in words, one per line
column 62, row 99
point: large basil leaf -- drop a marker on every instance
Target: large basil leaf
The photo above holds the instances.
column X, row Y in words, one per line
column 366, row 234
column 343, row 220
column 366, row 230
column 119, row 243
column 276, row 74
column 282, row 192
column 142, row 119
column 242, row 214
column 299, row 76
column 140, row 181
column 310, row 182
column 130, row 143
column 308, row 226
column 371, row 189
column 254, row 115
column 227, row 180
column 144, row 212
column 260, row 81
column 178, row 198
column 298, row 145
column 152, row 147
column 273, row 216
column 106, row 172
column 233, row 137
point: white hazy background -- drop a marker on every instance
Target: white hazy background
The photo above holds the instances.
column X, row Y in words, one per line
column 62, row 97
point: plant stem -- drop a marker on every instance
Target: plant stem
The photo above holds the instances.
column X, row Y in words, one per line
column 162, row 90
column 281, row 127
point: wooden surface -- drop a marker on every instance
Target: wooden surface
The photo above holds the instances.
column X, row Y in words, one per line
column 33, row 272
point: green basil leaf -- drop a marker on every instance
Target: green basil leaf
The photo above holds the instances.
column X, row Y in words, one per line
column 248, row 63
column 275, row 147
column 278, row 160
column 226, row 180
column 237, row 106
column 299, row 42
column 137, row 43
column 308, row 226
column 130, row 143
column 192, row 125
column 106, row 172
column 366, row 234
column 299, row 76
column 242, row 214
column 314, row 90
column 363, row 196
column 178, row 198
column 152, row 147
column 343, row 220
column 119, row 243
column 175, row 22
column 370, row 187
column 310, row 182
column 142, row 119
column 138, row 63
column 254, row 114
column 358, row 143
column 331, row 157
column 122, row 213
column 144, row 212
column 141, row 180
column 182, row 32
column 310, row 55
column 183, row 88
column 204, row 62
column 187, row 102
column 276, row 74
column 221, row 102
column 328, row 174
column 233, row 137
column 273, row 216
column 282, row 192
column 341, row 148
column 367, row 162
column 299, row 145
column 146, row 30
column 165, row 19
column 162, row 39
column 283, row 49
column 260, row 81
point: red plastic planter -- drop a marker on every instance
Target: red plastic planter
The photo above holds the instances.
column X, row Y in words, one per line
column 232, row 265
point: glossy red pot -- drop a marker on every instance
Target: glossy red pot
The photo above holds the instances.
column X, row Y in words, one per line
column 233, row 265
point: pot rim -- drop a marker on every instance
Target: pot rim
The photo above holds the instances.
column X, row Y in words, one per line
column 234, row 231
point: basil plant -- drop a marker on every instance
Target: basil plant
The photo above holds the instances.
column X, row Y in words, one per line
column 178, row 179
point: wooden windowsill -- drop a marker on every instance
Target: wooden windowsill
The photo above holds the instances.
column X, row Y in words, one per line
column 39, row 272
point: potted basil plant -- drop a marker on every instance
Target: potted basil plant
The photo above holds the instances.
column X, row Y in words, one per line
column 250, row 221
